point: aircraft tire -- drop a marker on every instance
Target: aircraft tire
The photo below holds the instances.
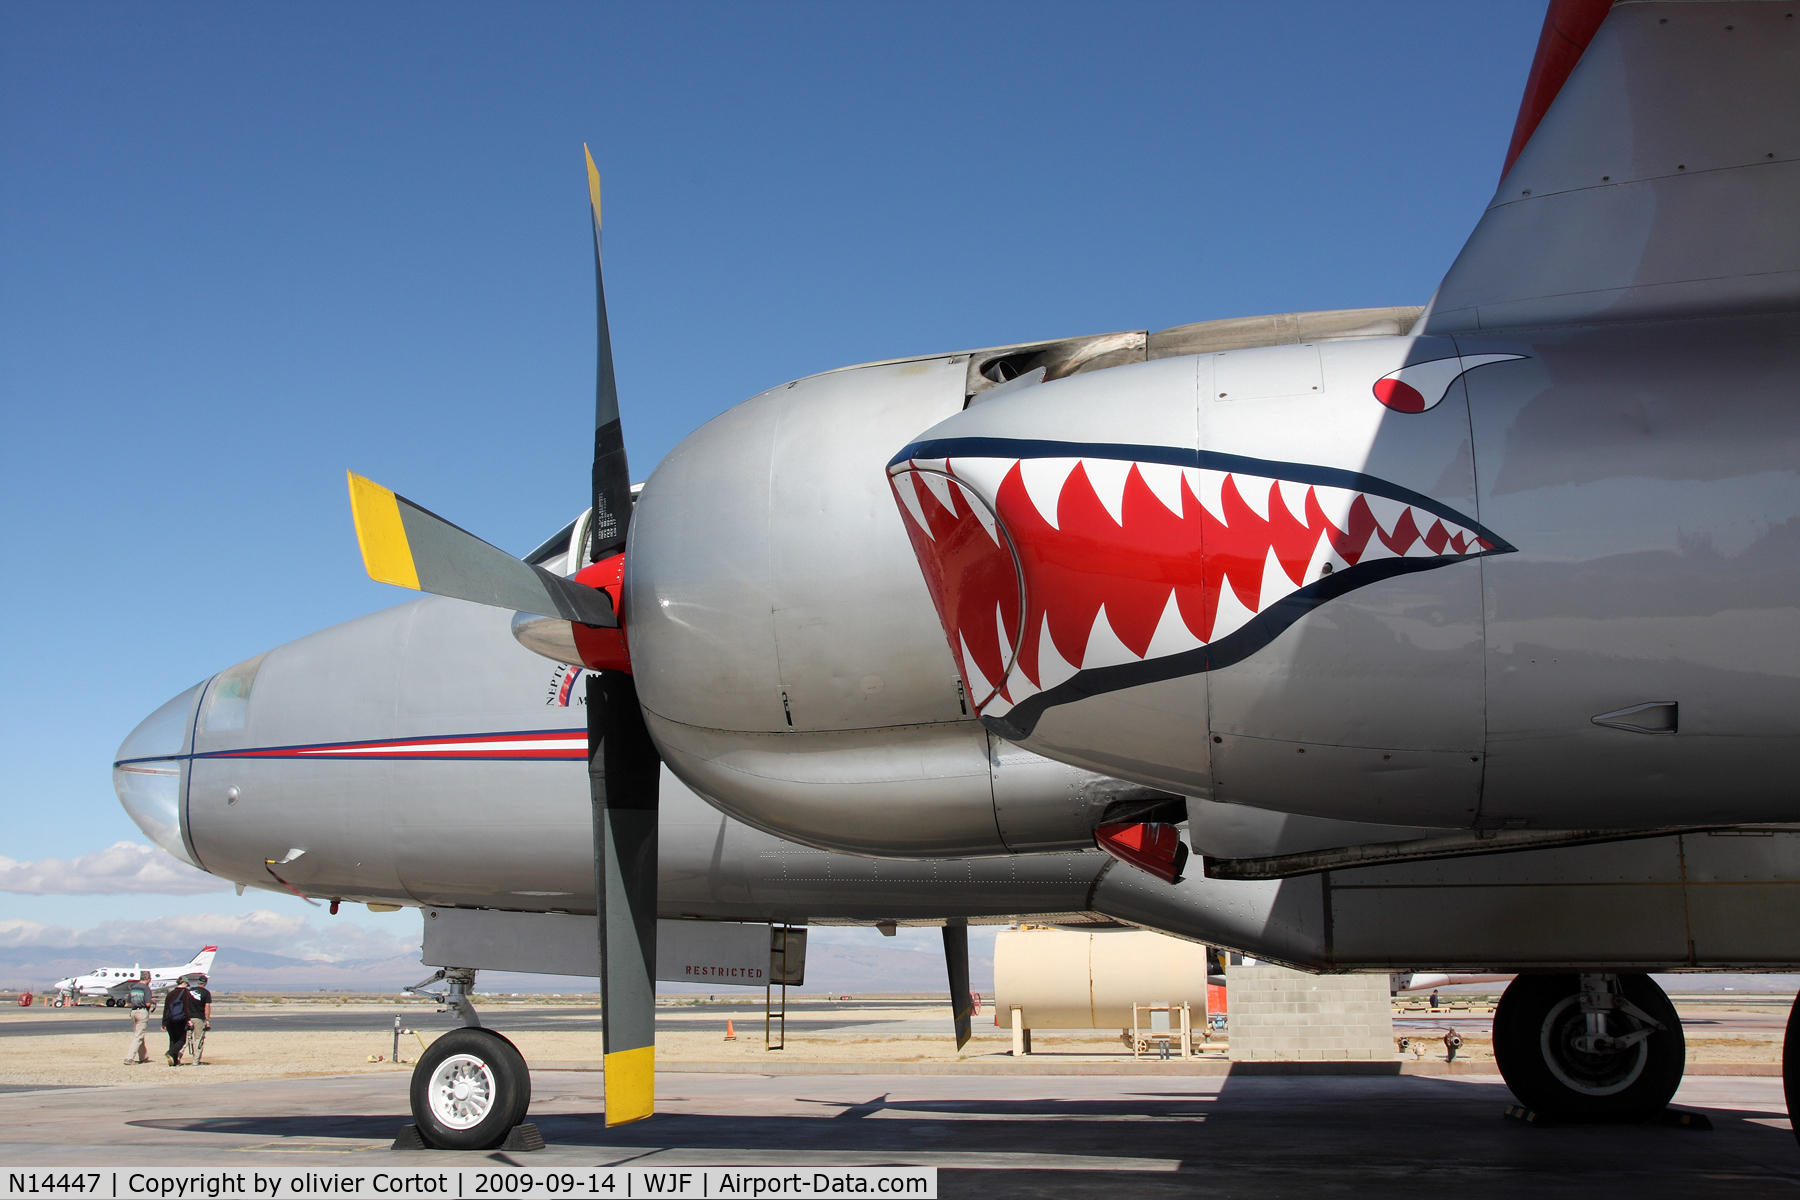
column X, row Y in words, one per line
column 1534, row 1023
column 469, row 1089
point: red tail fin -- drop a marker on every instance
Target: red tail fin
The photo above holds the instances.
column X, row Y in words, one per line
column 1569, row 26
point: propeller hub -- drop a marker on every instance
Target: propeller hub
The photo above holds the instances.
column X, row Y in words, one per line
column 573, row 642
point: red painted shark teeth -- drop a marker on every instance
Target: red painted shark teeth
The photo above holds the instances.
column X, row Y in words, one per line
column 1043, row 567
column 971, row 571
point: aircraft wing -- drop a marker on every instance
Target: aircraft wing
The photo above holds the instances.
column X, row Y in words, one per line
column 1659, row 180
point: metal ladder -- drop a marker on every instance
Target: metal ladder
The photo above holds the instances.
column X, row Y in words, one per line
column 775, row 1012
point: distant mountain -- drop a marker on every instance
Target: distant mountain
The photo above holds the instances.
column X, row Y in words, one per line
column 830, row 967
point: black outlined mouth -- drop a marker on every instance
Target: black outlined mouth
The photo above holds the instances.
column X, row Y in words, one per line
column 1084, row 568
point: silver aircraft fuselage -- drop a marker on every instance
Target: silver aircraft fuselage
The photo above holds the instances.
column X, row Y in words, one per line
column 421, row 756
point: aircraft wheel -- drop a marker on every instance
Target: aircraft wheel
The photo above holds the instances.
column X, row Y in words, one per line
column 1536, row 1027
column 469, row 1089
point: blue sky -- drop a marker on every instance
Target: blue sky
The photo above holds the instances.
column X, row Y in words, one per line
column 247, row 246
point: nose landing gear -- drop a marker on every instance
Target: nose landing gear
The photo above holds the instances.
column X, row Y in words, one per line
column 1589, row 1048
column 470, row 1087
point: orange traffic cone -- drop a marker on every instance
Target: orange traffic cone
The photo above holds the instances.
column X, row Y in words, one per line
column 730, row 1031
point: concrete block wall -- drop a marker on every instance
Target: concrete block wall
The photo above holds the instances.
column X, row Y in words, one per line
column 1276, row 1013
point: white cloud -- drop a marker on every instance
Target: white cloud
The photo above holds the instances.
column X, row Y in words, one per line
column 289, row 934
column 120, row 868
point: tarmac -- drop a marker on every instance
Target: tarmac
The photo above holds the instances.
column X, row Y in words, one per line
column 1127, row 1133
column 1073, row 1120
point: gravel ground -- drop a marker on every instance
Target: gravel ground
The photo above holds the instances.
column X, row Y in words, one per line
column 865, row 1033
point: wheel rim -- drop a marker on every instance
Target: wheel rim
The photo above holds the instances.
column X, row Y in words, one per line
column 1603, row 1074
column 462, row 1091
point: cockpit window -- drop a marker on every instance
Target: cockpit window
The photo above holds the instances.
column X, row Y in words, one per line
column 555, row 546
column 228, row 702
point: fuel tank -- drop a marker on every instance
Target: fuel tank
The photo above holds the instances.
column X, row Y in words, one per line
column 1421, row 581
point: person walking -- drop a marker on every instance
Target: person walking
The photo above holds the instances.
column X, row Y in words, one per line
column 178, row 1010
column 137, row 999
column 200, row 1019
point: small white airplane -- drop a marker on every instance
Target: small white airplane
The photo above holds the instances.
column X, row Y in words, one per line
column 110, row 983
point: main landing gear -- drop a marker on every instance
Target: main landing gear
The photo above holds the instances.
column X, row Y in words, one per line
column 471, row 1087
column 1589, row 1048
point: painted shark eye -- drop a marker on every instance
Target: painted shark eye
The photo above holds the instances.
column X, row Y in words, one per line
column 1423, row 386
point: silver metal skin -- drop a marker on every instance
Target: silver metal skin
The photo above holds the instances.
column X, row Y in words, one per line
column 785, row 646
column 516, row 834
column 321, row 753
column 1651, row 563
column 787, row 656
column 1724, row 900
column 1659, row 186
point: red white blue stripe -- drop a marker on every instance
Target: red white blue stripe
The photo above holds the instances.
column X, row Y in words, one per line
column 544, row 745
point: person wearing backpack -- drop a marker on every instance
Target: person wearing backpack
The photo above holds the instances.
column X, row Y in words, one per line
column 199, row 1016
column 137, row 999
column 179, row 1007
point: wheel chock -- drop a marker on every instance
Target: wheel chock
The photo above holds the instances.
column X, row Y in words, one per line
column 1518, row 1112
column 1675, row 1118
column 521, row 1139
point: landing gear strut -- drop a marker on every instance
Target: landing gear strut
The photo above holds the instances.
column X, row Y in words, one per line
column 1593, row 1048
column 471, row 1086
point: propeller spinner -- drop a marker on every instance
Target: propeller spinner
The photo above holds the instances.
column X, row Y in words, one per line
column 405, row 544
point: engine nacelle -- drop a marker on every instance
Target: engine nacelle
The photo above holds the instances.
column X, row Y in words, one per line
column 786, row 652
column 1421, row 581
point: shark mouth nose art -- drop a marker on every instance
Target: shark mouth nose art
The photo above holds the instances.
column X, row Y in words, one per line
column 1062, row 570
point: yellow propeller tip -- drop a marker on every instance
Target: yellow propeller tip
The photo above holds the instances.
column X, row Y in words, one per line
column 387, row 555
column 630, row 1085
column 593, row 182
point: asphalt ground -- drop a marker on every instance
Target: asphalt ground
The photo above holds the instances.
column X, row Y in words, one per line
column 1707, row 1014
column 821, row 1016
column 990, row 1136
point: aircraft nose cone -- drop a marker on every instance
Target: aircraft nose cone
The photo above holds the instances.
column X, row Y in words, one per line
column 147, row 772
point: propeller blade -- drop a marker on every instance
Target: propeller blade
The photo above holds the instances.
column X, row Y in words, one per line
column 612, row 476
column 415, row 548
column 623, row 774
column 624, row 771
column 956, row 958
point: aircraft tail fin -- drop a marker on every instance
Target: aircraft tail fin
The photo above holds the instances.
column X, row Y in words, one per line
column 1659, row 182
column 203, row 961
